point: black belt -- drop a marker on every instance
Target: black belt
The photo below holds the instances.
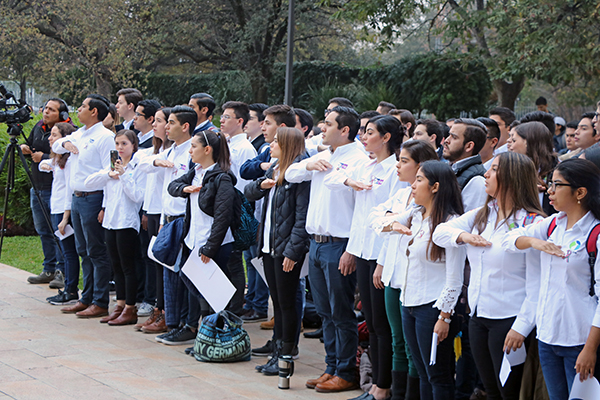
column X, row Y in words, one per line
column 327, row 239
column 85, row 194
column 171, row 218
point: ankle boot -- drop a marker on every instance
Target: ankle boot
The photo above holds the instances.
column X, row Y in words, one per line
column 113, row 315
column 413, row 389
column 127, row 317
column 153, row 316
column 157, row 326
column 399, row 382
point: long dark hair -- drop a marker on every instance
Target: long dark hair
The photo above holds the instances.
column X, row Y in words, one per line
column 447, row 201
column 583, row 174
column 539, row 146
column 65, row 129
column 517, row 180
column 219, row 145
column 385, row 124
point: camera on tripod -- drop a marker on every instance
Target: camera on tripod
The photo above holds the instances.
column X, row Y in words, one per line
column 15, row 112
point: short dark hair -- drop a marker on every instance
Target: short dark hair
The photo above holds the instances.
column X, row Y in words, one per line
column 493, row 130
column 305, row 119
column 541, row 101
column 185, row 114
column 132, row 96
column 150, row 107
column 368, row 114
column 572, row 124
column 405, row 117
column 205, row 100
column 475, row 132
column 506, row 114
column 259, row 109
column 591, row 116
column 420, row 151
column 282, row 114
column 543, row 117
column 386, row 107
column 347, row 116
column 100, row 103
column 341, row 101
column 433, row 127
column 240, row 110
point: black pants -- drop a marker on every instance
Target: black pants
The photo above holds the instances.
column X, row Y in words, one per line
column 235, row 273
column 121, row 245
column 380, row 333
column 283, row 287
column 153, row 224
column 487, row 342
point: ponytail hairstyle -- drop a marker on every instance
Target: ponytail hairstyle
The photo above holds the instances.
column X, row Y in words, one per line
column 583, row 173
column 217, row 141
column 65, row 129
column 157, row 142
column 291, row 143
column 447, row 201
column 388, row 124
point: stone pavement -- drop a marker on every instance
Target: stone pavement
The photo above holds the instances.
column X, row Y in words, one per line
column 45, row 354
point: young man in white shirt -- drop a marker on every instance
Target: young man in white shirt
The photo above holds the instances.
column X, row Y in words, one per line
column 127, row 102
column 332, row 269
column 90, row 148
column 233, row 120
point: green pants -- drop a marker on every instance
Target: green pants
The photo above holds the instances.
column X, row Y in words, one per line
column 402, row 360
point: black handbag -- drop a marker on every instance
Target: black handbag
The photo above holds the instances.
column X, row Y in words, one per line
column 221, row 338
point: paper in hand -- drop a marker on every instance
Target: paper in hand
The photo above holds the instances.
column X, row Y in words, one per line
column 68, row 232
column 511, row 360
column 434, row 342
column 586, row 390
column 260, row 268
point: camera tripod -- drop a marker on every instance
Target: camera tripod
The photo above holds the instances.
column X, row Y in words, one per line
column 14, row 131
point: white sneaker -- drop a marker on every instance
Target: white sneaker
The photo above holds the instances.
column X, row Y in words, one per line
column 145, row 309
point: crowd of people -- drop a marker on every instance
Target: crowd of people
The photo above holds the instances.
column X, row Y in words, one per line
column 469, row 238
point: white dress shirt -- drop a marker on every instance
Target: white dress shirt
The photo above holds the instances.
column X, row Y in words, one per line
column 241, row 151
column 61, row 194
column 502, row 285
column 142, row 137
column 124, row 196
column 154, row 181
column 331, row 203
column 423, row 280
column 179, row 155
column 501, row 149
column 565, row 311
column 363, row 241
column 94, row 145
column 312, row 144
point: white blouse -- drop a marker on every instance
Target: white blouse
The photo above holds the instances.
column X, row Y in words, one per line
column 502, row 285
column 424, row 281
column 61, row 195
column 565, row 310
column 154, row 182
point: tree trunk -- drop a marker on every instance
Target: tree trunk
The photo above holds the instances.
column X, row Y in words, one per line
column 23, row 88
column 258, row 82
column 103, row 84
column 508, row 92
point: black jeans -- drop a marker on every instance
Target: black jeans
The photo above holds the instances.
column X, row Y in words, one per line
column 380, row 333
column 153, row 224
column 283, row 287
column 235, row 273
column 487, row 342
column 121, row 245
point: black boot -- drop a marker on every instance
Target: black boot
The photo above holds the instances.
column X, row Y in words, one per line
column 399, row 382
column 413, row 389
column 272, row 367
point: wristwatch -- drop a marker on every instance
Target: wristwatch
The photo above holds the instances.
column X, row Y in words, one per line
column 446, row 320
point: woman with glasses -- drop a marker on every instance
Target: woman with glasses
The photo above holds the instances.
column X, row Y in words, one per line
column 568, row 316
column 503, row 287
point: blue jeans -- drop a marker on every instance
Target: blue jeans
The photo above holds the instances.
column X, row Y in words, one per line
column 49, row 246
column 558, row 367
column 89, row 239
column 333, row 294
column 71, row 259
column 437, row 381
column 175, row 296
column 257, row 297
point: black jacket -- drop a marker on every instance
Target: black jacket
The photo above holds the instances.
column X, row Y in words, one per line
column 288, row 216
column 38, row 141
column 216, row 202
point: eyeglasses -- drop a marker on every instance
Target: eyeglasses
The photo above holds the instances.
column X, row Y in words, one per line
column 327, row 111
column 225, row 116
column 552, row 185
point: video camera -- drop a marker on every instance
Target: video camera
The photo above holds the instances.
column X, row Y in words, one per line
column 15, row 112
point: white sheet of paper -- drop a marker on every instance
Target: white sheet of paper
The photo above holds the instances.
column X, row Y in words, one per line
column 210, row 281
column 260, row 268
column 433, row 356
column 504, row 370
column 304, row 270
column 586, row 390
column 511, row 360
column 68, row 232
column 151, row 255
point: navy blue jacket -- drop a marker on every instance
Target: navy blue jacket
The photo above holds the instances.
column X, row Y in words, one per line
column 251, row 170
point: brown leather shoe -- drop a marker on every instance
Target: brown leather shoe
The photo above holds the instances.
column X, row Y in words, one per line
column 113, row 315
column 312, row 383
column 336, row 384
column 153, row 316
column 92, row 311
column 157, row 326
column 79, row 306
column 269, row 325
column 127, row 317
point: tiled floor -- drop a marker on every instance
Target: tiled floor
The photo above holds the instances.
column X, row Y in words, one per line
column 45, row 354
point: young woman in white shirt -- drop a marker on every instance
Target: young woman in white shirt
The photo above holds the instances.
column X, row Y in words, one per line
column 60, row 212
column 504, row 287
column 568, row 316
column 374, row 184
column 431, row 277
column 124, row 188
column 387, row 276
